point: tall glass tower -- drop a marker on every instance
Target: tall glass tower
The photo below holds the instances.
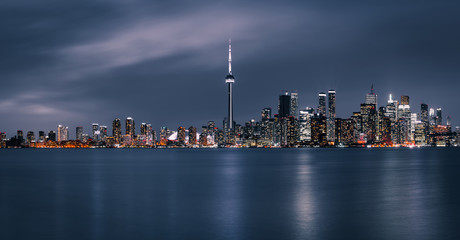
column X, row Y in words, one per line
column 230, row 80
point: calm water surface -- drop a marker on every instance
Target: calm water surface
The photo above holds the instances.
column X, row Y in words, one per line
column 230, row 194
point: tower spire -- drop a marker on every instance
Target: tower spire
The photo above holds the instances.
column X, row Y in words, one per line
column 230, row 56
column 372, row 89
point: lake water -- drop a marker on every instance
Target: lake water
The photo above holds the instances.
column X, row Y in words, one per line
column 230, row 193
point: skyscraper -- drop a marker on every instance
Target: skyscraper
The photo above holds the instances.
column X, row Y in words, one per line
column 181, row 136
column 371, row 98
column 103, row 133
column 192, row 135
column 230, row 80
column 96, row 132
column 294, row 104
column 424, row 113
column 369, row 121
column 284, row 105
column 331, row 116
column 322, row 104
column 30, row 137
column 52, row 136
column 62, row 133
column 432, row 117
column 438, row 116
column 79, row 133
column 130, row 127
column 305, row 124
column 116, row 130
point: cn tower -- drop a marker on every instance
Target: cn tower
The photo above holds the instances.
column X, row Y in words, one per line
column 230, row 80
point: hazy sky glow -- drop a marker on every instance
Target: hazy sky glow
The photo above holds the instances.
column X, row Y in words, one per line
column 79, row 62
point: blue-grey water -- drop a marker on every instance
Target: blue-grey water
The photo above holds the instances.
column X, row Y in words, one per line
column 230, row 193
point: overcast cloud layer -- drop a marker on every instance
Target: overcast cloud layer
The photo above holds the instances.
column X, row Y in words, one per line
column 79, row 62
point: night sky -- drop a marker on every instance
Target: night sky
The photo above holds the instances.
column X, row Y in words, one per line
column 164, row 62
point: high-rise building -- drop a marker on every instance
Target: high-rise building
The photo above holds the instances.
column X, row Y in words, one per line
column 79, row 133
column 344, row 131
column 438, row 116
column 294, row 104
column 181, row 136
column 405, row 100
column 318, row 130
column 30, row 137
column 369, row 121
column 130, row 127
column 449, row 121
column 266, row 114
column 322, row 104
column 103, row 133
column 230, row 80
column 424, row 113
column 41, row 136
column 192, row 135
column 144, row 129
column 305, row 124
column 404, row 113
column 371, row 98
column 284, row 105
column 20, row 137
column 96, row 133
column 116, row 130
column 62, row 133
column 164, row 134
column 292, row 131
column 331, row 116
column 52, row 136
column 432, row 117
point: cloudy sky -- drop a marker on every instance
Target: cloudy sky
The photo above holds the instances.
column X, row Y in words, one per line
column 164, row 62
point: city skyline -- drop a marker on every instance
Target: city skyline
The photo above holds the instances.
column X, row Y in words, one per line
column 62, row 68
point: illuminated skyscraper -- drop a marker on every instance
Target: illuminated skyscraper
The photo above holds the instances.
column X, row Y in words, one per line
column 62, row 133
column 404, row 113
column 181, row 136
column 230, row 80
column 116, row 130
column 439, row 116
column 371, row 98
column 432, row 117
column 305, row 124
column 144, row 129
column 103, row 133
column 79, row 133
column 96, row 132
column 331, row 116
column 369, row 121
column 424, row 113
column 130, row 127
column 294, row 104
column 192, row 135
column 30, row 137
column 404, row 100
column 322, row 104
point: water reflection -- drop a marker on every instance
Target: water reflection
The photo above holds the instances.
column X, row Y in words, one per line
column 228, row 200
column 303, row 202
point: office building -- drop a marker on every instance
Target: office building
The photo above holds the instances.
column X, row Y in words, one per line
column 331, row 116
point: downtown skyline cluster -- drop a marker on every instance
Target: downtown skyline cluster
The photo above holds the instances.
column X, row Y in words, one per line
column 392, row 124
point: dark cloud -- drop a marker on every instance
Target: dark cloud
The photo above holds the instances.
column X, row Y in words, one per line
column 78, row 62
